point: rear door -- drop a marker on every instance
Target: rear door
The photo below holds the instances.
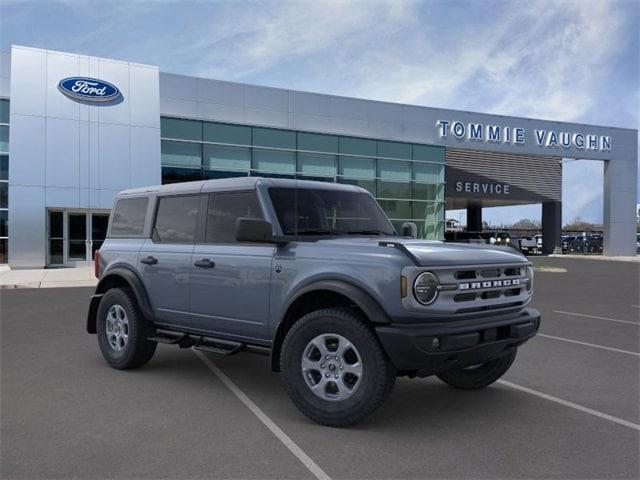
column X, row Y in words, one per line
column 165, row 258
column 230, row 281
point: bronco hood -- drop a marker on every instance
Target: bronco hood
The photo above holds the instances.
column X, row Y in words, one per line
column 434, row 253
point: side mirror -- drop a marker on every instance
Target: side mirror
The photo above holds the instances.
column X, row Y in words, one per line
column 409, row 229
column 253, row 230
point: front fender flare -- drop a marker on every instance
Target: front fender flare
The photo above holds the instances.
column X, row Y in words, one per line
column 371, row 308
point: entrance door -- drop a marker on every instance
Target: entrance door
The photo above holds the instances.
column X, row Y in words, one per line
column 74, row 236
column 56, row 238
column 77, row 237
column 99, row 222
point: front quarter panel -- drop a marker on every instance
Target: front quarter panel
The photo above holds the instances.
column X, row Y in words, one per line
column 298, row 265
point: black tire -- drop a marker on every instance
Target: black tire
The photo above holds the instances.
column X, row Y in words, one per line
column 375, row 383
column 473, row 378
column 138, row 350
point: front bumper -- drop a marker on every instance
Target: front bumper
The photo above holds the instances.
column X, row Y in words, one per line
column 431, row 348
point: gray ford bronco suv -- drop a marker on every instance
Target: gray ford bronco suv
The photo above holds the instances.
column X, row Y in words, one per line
column 314, row 275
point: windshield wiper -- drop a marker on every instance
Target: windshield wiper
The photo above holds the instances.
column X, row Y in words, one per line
column 313, row 231
column 325, row 231
column 367, row 232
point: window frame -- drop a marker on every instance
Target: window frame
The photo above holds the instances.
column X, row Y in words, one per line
column 197, row 234
column 112, row 217
column 208, row 196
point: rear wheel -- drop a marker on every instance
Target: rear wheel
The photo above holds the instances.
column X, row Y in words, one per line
column 334, row 368
column 122, row 330
column 479, row 376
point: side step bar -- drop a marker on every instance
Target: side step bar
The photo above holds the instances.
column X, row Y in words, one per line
column 220, row 346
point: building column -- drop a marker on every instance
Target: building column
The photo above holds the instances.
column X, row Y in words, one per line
column 620, row 198
column 474, row 218
column 551, row 227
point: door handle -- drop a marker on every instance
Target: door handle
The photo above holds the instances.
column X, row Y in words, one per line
column 204, row 263
column 149, row 260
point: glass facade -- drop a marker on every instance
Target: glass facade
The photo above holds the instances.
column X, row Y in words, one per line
column 4, row 180
column 407, row 179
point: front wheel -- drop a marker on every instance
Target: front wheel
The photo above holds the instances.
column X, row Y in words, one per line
column 479, row 376
column 334, row 368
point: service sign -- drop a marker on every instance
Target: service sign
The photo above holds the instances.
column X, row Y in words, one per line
column 88, row 89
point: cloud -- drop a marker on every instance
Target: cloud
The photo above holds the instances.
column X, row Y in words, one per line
column 570, row 60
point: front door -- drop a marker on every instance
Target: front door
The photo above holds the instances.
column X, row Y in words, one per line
column 165, row 259
column 230, row 281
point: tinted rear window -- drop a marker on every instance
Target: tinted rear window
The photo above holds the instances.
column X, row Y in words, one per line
column 128, row 216
column 176, row 219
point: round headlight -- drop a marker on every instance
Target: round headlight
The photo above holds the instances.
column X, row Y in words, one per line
column 425, row 288
column 529, row 279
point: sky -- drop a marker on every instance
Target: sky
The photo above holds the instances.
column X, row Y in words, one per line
column 558, row 60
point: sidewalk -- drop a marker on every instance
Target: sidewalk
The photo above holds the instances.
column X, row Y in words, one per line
column 635, row 259
column 48, row 278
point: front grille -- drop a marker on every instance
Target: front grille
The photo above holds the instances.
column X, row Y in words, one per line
column 482, row 288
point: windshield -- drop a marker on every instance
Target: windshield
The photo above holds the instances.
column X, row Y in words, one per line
column 328, row 212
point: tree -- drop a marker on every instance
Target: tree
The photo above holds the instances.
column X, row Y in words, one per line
column 526, row 224
column 579, row 225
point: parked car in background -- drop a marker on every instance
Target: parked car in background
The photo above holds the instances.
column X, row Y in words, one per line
column 582, row 244
column 538, row 239
column 528, row 245
column 486, row 237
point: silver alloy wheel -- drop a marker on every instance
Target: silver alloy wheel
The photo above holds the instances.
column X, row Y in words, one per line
column 117, row 327
column 332, row 367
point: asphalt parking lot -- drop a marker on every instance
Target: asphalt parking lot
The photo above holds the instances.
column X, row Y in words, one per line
column 569, row 407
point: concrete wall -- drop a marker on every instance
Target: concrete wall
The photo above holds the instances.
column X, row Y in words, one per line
column 5, row 73
column 70, row 154
column 620, row 198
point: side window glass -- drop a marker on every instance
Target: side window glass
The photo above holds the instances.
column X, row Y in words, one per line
column 176, row 219
column 224, row 209
column 128, row 216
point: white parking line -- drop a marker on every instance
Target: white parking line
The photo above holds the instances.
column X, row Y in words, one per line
column 596, row 317
column 270, row 424
column 575, row 406
column 589, row 344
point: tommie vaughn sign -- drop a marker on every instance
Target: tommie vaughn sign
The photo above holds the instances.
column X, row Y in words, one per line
column 478, row 132
column 88, row 89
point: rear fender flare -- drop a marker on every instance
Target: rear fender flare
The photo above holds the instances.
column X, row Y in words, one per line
column 115, row 277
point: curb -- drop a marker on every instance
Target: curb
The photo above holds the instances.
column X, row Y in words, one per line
column 62, row 284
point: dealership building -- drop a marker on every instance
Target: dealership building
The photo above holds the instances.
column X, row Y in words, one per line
column 75, row 130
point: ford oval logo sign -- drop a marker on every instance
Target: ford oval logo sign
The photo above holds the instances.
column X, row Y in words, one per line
column 88, row 89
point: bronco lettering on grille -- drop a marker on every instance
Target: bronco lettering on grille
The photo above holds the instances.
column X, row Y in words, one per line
column 489, row 284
